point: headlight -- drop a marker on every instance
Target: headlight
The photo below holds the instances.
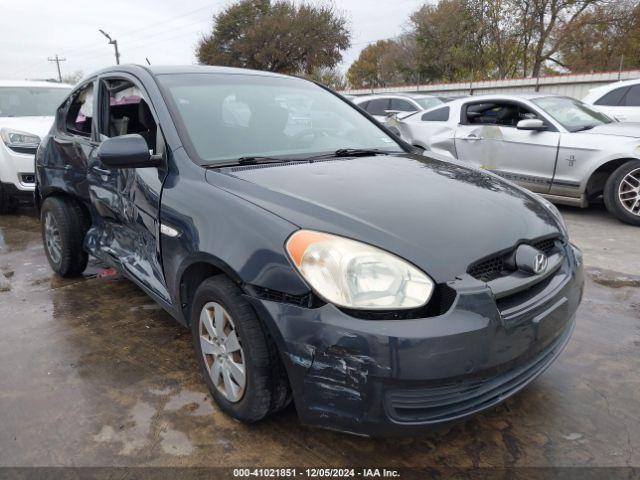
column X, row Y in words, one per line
column 18, row 139
column 355, row 275
column 556, row 213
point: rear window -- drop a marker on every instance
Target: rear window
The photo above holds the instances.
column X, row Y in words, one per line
column 612, row 98
column 402, row 105
column 378, row 106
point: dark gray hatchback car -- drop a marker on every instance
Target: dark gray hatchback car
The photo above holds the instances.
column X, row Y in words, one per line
column 313, row 254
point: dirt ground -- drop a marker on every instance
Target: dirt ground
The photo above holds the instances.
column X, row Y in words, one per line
column 93, row 373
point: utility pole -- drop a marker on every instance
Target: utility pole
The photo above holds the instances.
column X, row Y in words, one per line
column 620, row 69
column 114, row 43
column 58, row 60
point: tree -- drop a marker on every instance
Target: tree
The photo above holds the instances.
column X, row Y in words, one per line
column 374, row 67
column 602, row 38
column 330, row 77
column 72, row 78
column 385, row 63
column 545, row 25
column 449, row 46
column 278, row 36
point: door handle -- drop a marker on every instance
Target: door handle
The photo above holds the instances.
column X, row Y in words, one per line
column 473, row 136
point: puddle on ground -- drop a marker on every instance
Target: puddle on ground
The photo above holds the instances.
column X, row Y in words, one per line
column 133, row 435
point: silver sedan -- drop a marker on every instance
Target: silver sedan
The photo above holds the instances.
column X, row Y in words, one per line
column 555, row 146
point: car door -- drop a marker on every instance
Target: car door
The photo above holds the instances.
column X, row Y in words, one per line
column 72, row 143
column 488, row 138
column 628, row 110
column 127, row 200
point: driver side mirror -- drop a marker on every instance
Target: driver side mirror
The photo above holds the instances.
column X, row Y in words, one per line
column 127, row 151
column 391, row 113
column 533, row 124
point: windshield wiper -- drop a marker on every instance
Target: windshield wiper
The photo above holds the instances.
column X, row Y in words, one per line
column 351, row 152
column 342, row 152
column 256, row 160
column 359, row 152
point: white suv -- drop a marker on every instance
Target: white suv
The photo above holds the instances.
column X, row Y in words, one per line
column 619, row 100
column 26, row 114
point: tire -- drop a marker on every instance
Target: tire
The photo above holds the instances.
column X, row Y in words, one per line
column 8, row 204
column 266, row 388
column 65, row 216
column 619, row 187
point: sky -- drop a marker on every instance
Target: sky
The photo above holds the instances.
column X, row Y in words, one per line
column 164, row 31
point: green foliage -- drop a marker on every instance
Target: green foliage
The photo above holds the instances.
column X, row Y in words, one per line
column 330, row 77
column 377, row 66
column 278, row 36
column 602, row 38
column 467, row 40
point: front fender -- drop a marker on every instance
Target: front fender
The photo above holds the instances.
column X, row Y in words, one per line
column 240, row 239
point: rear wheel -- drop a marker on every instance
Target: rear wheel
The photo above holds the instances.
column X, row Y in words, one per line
column 237, row 357
column 622, row 193
column 64, row 226
column 8, row 204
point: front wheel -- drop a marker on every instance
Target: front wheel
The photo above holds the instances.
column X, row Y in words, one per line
column 63, row 230
column 622, row 193
column 238, row 359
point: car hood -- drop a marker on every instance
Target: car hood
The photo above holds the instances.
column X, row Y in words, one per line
column 618, row 129
column 441, row 216
column 36, row 125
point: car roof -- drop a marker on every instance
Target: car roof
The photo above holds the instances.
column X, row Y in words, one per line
column 414, row 96
column 182, row 69
column 32, row 83
column 507, row 96
column 600, row 90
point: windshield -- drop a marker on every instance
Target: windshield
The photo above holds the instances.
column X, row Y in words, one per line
column 230, row 116
column 428, row 102
column 30, row 101
column 572, row 114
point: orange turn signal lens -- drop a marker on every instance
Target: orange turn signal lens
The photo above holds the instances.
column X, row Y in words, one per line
column 300, row 241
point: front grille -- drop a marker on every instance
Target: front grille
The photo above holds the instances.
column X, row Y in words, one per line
column 496, row 266
column 447, row 402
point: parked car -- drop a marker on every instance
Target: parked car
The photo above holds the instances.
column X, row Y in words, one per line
column 555, row 146
column 26, row 114
column 328, row 264
column 380, row 106
column 619, row 100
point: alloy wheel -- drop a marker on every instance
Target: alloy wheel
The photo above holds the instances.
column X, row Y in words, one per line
column 222, row 351
column 52, row 238
column 629, row 192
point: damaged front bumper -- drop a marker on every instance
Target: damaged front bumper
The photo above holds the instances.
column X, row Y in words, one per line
column 395, row 377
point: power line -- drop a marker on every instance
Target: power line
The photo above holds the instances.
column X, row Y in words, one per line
column 136, row 31
column 58, row 60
